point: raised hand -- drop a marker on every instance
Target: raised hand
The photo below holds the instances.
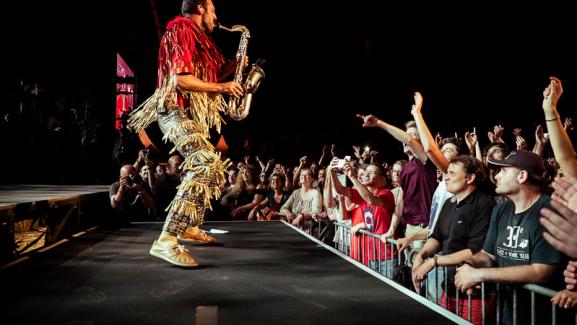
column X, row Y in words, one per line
column 368, row 120
column 416, row 108
column 438, row 139
column 540, row 135
column 333, row 149
column 349, row 170
column 566, row 191
column 496, row 135
column 568, row 124
column 357, row 151
column 521, row 143
column 124, row 182
column 561, row 226
column 303, row 161
column 141, row 155
column 471, row 139
column 552, row 93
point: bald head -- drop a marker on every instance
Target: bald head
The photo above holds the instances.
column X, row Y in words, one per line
column 127, row 170
column 174, row 163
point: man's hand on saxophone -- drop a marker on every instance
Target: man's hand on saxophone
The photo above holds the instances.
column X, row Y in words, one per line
column 232, row 88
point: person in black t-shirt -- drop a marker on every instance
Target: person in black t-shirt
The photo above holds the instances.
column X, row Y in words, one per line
column 515, row 251
column 459, row 233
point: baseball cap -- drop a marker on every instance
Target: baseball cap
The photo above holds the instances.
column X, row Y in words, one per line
column 522, row 159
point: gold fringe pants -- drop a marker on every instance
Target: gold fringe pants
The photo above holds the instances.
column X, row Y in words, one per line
column 203, row 168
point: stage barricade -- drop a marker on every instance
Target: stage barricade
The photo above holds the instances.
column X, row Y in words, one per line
column 490, row 295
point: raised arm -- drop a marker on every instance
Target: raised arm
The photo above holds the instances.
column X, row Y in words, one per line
column 473, row 144
column 429, row 144
column 400, row 135
column 560, row 142
column 364, row 192
column 328, row 198
column 325, row 156
column 336, row 184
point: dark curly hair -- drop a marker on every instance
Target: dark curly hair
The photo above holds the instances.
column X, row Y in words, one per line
column 191, row 6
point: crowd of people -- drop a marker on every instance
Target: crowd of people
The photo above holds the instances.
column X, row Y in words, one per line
column 504, row 214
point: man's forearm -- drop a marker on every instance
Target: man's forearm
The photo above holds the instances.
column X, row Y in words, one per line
column 533, row 273
column 397, row 133
column 364, row 192
column 394, row 222
column 190, row 82
column 454, row 259
column 481, row 260
column 339, row 188
column 431, row 247
column 419, row 235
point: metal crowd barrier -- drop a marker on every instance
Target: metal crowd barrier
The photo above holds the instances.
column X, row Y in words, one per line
column 369, row 250
column 533, row 289
column 344, row 242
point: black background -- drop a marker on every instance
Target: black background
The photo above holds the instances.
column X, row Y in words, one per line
column 476, row 66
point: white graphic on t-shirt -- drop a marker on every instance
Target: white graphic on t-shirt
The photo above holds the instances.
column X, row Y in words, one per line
column 513, row 238
column 515, row 247
column 369, row 219
column 524, row 243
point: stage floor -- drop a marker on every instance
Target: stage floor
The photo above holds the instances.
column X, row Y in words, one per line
column 22, row 193
column 259, row 273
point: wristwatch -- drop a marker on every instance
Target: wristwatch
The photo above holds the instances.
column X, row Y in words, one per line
column 435, row 258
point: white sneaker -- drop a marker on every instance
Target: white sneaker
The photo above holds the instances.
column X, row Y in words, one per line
column 175, row 254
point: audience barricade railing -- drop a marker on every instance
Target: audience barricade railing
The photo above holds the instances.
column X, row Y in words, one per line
column 367, row 248
column 363, row 249
column 493, row 294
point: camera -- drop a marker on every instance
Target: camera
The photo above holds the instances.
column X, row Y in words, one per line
column 132, row 179
column 341, row 163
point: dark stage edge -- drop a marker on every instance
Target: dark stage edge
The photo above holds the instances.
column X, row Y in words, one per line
column 28, row 194
column 259, row 273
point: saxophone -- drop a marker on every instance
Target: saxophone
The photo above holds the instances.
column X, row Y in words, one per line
column 238, row 108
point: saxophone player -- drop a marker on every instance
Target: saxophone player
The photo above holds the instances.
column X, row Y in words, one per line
column 187, row 103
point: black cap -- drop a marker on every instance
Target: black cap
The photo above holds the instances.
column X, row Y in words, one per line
column 522, row 159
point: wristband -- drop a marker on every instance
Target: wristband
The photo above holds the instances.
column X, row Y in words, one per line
column 552, row 119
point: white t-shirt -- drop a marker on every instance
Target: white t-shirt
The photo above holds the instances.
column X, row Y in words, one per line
column 439, row 197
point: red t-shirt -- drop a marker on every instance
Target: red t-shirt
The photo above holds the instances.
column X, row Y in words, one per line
column 356, row 218
column 377, row 220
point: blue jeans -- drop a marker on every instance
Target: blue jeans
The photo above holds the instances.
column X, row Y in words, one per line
column 435, row 294
column 388, row 268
